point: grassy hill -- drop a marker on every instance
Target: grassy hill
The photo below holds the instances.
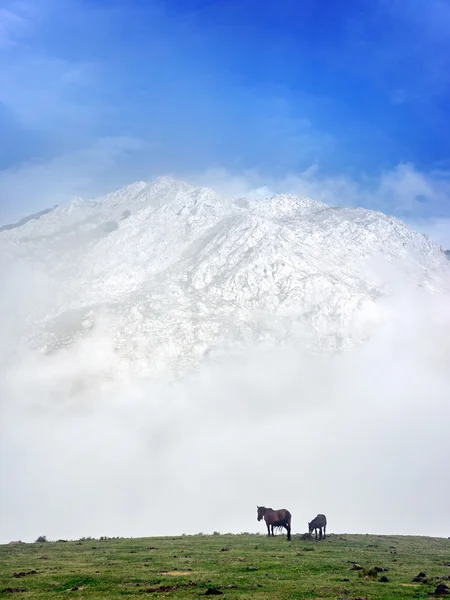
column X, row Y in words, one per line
column 230, row 566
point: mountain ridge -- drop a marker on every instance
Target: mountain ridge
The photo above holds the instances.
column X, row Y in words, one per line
column 178, row 271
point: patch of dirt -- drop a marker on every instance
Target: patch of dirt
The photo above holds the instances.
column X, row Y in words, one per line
column 168, row 588
column 14, row 590
column 24, row 573
column 176, row 573
column 442, row 590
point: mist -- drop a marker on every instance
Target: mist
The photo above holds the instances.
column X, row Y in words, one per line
column 90, row 448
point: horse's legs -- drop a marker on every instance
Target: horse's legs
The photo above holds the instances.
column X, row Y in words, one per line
column 320, row 532
column 324, row 531
column 288, row 529
column 315, row 531
column 268, row 529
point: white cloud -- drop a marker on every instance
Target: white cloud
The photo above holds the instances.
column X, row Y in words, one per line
column 436, row 229
column 46, row 88
column 14, row 24
column 419, row 198
column 361, row 437
column 39, row 91
column 91, row 171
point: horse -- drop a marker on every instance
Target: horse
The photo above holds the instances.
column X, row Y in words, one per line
column 317, row 524
column 275, row 518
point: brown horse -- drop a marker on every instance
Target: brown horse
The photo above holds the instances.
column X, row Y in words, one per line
column 317, row 524
column 275, row 518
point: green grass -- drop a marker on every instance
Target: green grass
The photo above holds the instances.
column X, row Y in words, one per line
column 251, row 566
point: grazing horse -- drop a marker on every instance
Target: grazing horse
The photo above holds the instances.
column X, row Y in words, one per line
column 275, row 518
column 317, row 524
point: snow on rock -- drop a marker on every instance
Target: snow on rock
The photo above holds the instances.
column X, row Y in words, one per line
column 178, row 273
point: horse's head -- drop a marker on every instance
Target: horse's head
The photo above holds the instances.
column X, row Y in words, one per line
column 261, row 512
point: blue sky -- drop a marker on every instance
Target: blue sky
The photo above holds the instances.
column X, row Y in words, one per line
column 97, row 93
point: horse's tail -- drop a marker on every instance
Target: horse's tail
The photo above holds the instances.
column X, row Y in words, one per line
column 288, row 519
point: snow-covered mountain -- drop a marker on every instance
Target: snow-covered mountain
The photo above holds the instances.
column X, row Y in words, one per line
column 176, row 274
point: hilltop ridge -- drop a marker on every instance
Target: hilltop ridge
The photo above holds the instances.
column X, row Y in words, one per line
column 179, row 272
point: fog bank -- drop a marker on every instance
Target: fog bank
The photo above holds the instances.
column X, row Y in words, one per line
column 361, row 436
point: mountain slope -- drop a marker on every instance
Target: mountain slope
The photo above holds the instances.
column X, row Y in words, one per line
column 173, row 273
